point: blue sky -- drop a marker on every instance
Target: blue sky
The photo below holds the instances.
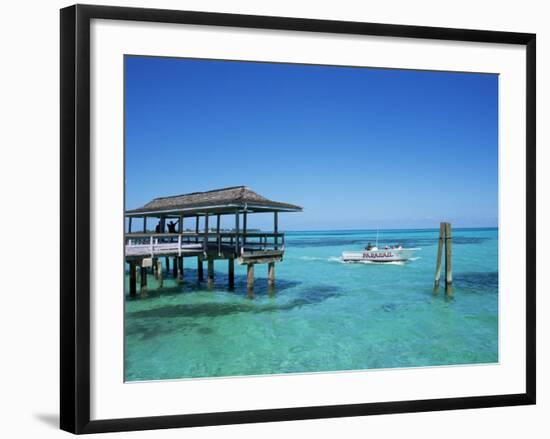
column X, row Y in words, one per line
column 356, row 147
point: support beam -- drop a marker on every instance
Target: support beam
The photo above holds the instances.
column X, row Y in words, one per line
column 210, row 272
column 180, row 224
column 231, row 272
column 130, row 225
column 175, row 267
column 167, row 264
column 200, row 270
column 155, row 268
column 144, row 224
column 132, row 279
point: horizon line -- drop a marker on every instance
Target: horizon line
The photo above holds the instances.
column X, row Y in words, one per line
column 390, row 229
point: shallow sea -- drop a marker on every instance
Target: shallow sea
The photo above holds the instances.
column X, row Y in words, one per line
column 323, row 315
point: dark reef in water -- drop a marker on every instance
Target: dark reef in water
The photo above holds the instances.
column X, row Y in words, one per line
column 482, row 282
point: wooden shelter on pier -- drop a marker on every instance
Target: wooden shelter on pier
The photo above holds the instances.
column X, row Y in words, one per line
column 172, row 237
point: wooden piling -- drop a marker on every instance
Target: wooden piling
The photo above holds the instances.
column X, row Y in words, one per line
column 175, row 267
column 271, row 274
column 167, row 263
column 439, row 254
column 200, row 271
column 132, row 279
column 159, row 273
column 155, row 268
column 448, row 261
column 210, row 272
column 180, row 268
column 231, row 272
column 445, row 239
column 143, row 279
column 250, row 277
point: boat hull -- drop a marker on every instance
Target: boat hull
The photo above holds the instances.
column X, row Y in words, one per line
column 384, row 255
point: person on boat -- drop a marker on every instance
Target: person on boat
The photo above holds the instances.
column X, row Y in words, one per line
column 369, row 246
column 157, row 228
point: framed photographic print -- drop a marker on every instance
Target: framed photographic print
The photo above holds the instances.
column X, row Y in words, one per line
column 268, row 218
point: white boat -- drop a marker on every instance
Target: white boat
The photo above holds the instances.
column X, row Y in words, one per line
column 375, row 254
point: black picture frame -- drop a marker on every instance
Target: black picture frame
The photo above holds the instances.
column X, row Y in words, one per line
column 75, row 218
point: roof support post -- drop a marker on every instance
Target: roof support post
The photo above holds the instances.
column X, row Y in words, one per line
column 144, row 224
column 244, row 227
column 237, row 232
column 197, row 228
column 218, row 237
column 276, row 228
column 130, row 225
column 205, row 245
column 180, row 224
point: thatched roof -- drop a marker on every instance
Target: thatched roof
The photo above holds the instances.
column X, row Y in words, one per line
column 226, row 200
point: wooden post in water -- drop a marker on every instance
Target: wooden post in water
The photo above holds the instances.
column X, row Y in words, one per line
column 210, row 272
column 159, row 273
column 439, row 254
column 155, row 268
column 271, row 274
column 200, row 271
column 448, row 261
column 445, row 239
column 180, row 268
column 167, row 263
column 175, row 267
column 231, row 272
column 143, row 279
column 132, row 279
column 250, row 277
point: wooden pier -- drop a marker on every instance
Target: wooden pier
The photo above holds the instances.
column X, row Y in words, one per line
column 173, row 240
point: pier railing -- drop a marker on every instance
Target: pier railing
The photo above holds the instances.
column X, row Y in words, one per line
column 180, row 244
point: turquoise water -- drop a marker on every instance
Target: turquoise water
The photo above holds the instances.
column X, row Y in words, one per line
column 324, row 315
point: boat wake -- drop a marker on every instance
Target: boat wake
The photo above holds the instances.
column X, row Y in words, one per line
column 364, row 262
column 339, row 260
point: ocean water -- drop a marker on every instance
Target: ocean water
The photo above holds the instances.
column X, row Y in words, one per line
column 323, row 315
